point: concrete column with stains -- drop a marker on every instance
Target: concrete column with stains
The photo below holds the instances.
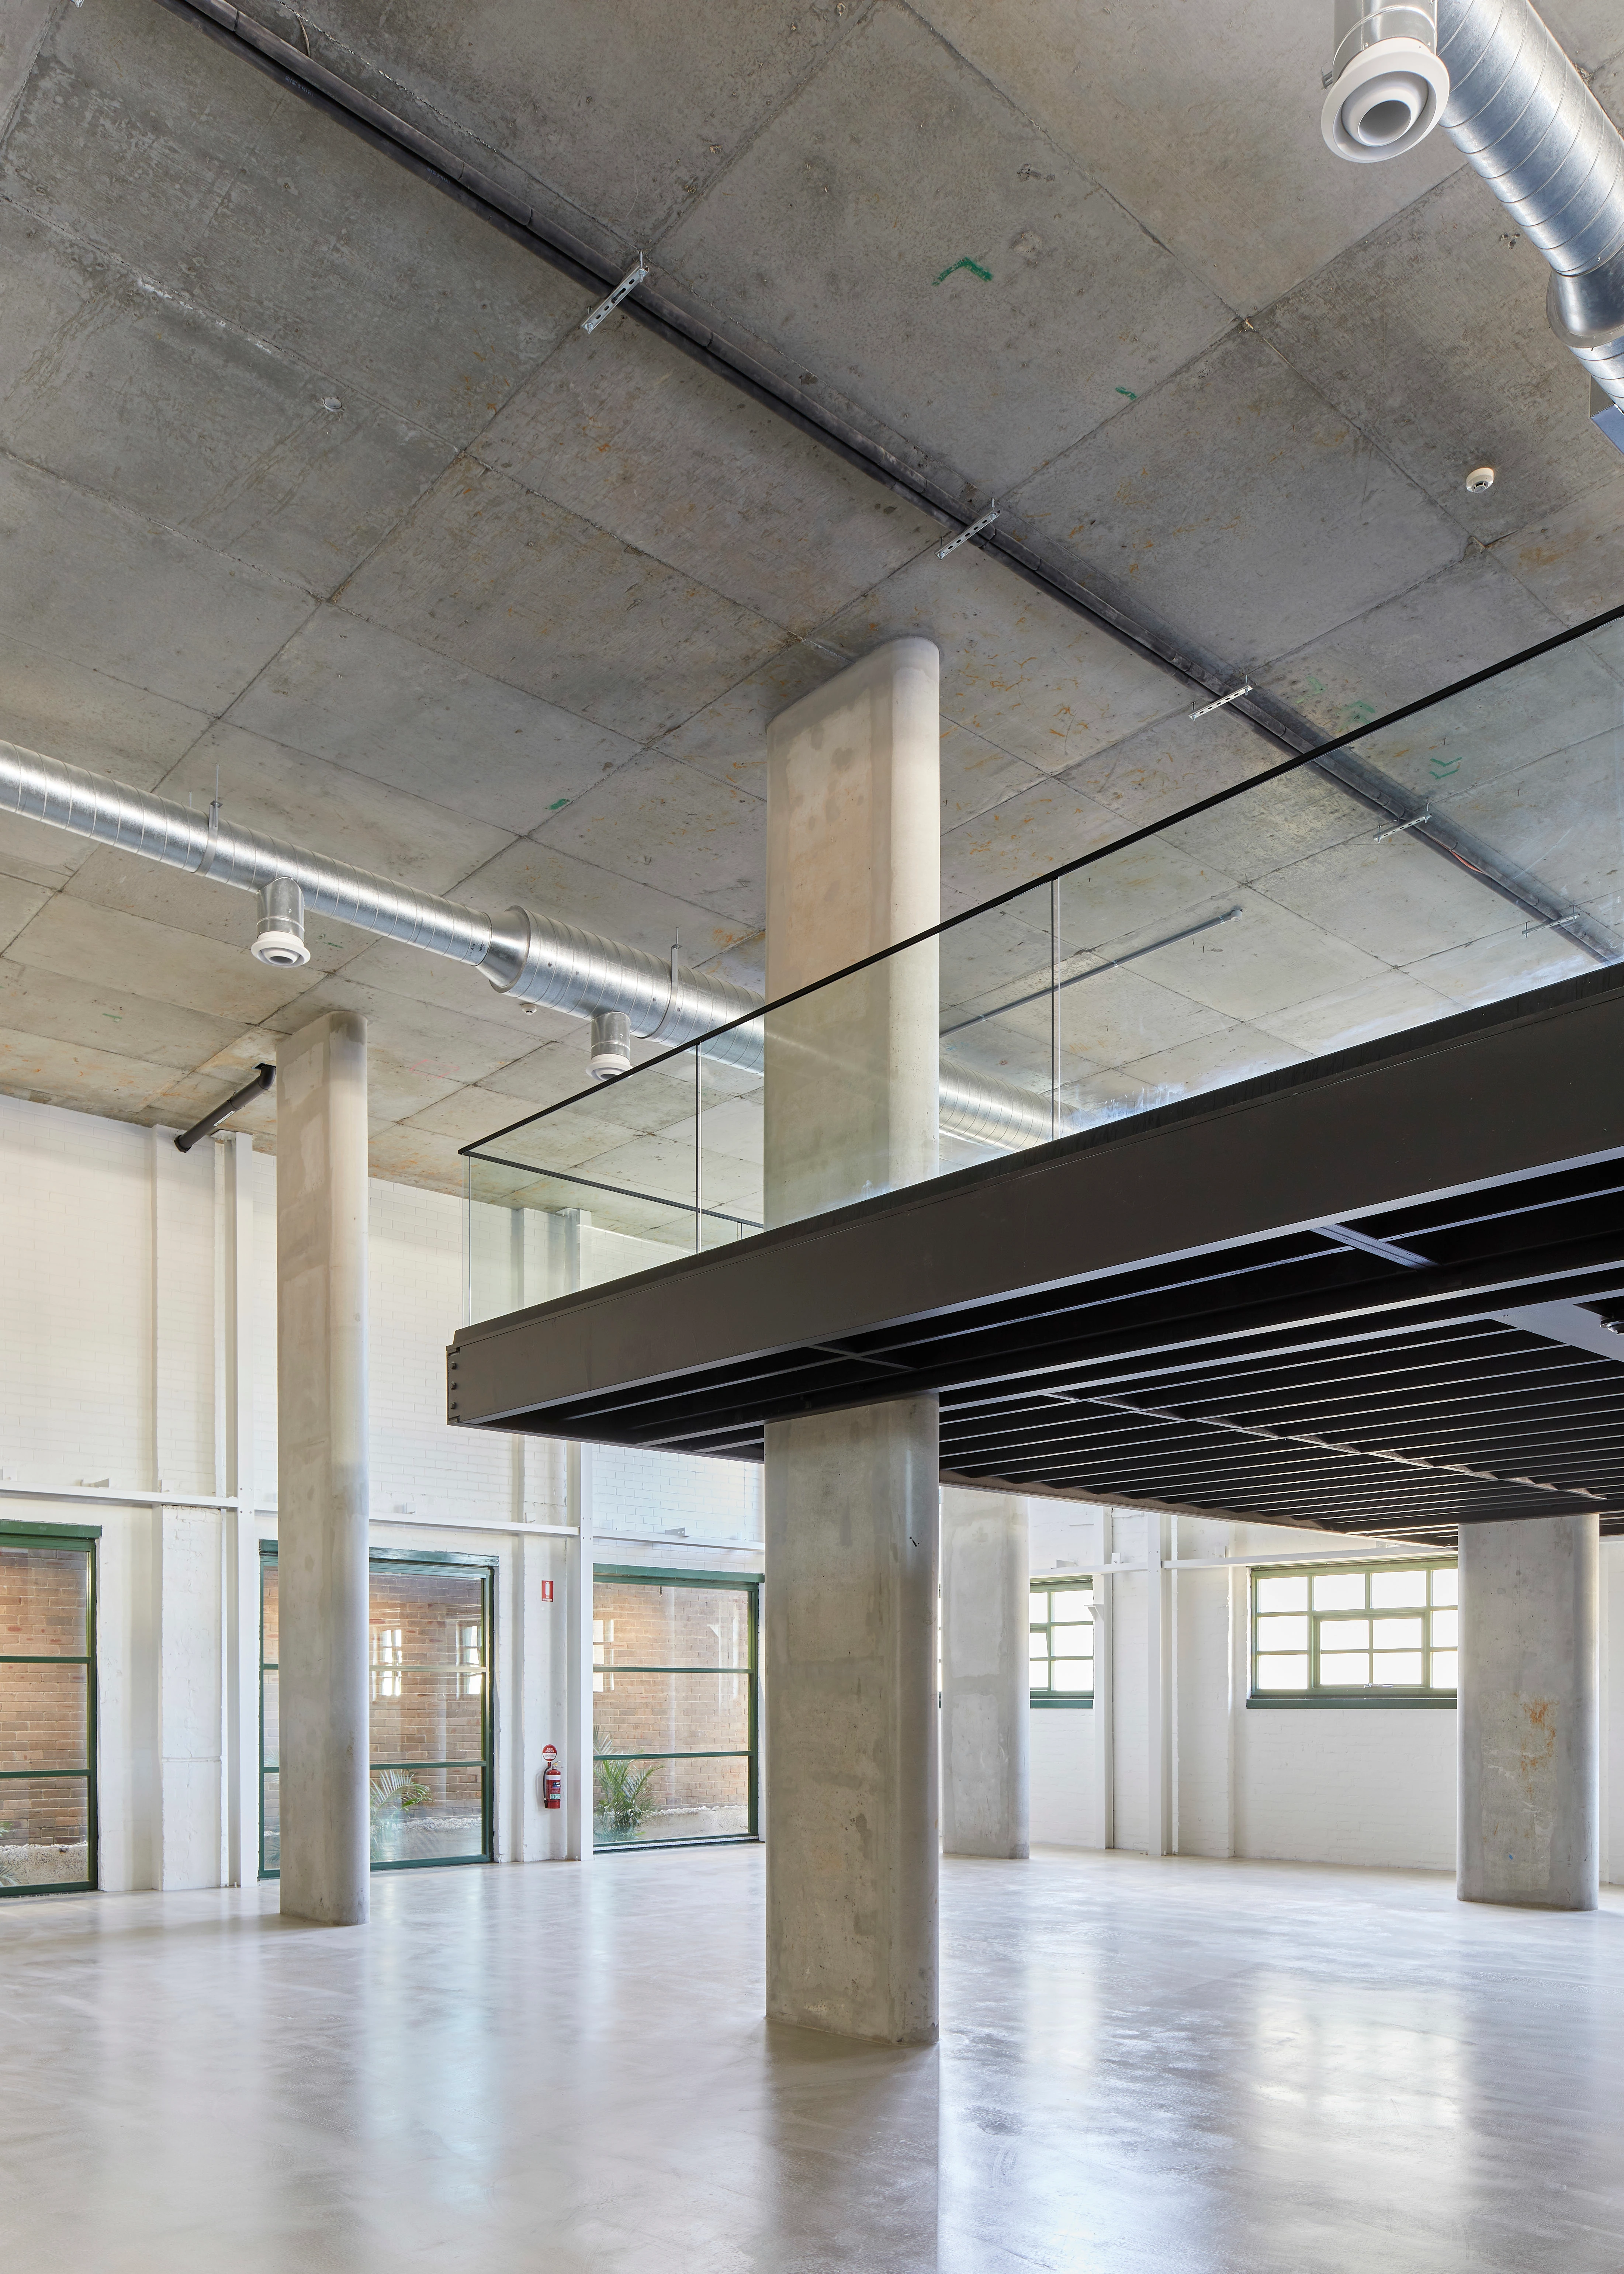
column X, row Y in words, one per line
column 321, row 1452
column 985, row 1675
column 853, row 865
column 1529, row 1725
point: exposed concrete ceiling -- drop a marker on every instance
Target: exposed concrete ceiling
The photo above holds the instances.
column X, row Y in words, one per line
column 310, row 476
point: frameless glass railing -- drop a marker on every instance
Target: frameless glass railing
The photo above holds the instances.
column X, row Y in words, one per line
column 1464, row 851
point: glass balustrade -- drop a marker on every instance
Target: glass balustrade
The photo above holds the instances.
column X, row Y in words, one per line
column 1460, row 854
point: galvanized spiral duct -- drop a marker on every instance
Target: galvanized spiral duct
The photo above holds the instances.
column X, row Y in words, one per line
column 533, row 959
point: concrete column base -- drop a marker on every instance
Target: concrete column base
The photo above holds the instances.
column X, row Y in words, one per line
column 850, row 1711
column 1529, row 1713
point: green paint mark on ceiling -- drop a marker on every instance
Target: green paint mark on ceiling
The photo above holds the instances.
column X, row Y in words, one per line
column 1128, row 391
column 974, row 267
column 556, row 804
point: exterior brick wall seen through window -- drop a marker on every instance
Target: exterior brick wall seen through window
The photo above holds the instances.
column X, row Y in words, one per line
column 45, row 1715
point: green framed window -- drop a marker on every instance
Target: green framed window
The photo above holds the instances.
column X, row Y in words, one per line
column 675, row 1716
column 1354, row 1633
column 430, row 1619
column 1061, row 1644
column 48, row 1708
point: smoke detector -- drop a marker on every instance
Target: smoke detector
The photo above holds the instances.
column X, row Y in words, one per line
column 1387, row 84
column 1480, row 479
column 280, row 940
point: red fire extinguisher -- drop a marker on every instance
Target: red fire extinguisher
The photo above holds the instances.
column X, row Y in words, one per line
column 552, row 1779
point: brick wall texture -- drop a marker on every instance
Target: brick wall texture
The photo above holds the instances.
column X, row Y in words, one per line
column 44, row 1719
column 636, row 1624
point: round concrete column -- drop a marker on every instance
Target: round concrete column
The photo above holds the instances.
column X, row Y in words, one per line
column 850, row 1507
column 322, row 1455
column 1529, row 1713
column 986, row 1680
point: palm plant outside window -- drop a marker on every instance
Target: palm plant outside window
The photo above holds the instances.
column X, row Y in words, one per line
column 1378, row 1632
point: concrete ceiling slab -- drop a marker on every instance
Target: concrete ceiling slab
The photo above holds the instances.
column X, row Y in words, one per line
column 1572, row 559
column 346, row 690
column 505, row 644
column 1342, row 1018
column 79, row 941
column 1171, row 764
column 275, row 223
column 332, row 810
column 939, row 261
column 112, row 591
column 1396, row 900
column 1271, row 826
column 636, row 438
column 1209, row 1062
column 976, row 775
column 1431, row 336
column 728, row 737
column 1560, row 816
column 1266, row 960
column 48, row 705
column 18, row 903
column 1005, row 847
column 1018, row 668
column 442, row 1046
column 1463, row 619
column 546, row 1076
column 1122, row 1015
column 485, row 573
column 22, row 31
column 143, row 396
column 97, row 1015
column 541, row 876
column 477, row 1110
column 403, row 1154
column 394, row 969
column 1286, row 522
column 1509, row 962
column 1553, row 706
column 397, row 1088
column 697, row 837
column 629, row 121
column 1203, row 121
column 54, row 1072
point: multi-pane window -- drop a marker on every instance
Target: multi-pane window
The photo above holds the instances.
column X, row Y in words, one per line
column 1366, row 1630
column 674, row 1723
column 430, row 1774
column 48, row 1711
column 1061, row 1643
column 388, row 1656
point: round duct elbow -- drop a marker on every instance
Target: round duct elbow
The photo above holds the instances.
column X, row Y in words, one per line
column 612, row 1045
column 1387, row 86
column 280, row 940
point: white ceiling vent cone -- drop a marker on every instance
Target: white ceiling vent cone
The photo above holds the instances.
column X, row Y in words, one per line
column 1387, row 84
column 1520, row 112
column 280, row 937
column 612, row 1045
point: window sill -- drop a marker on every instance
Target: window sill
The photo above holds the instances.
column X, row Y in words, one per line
column 1064, row 1705
column 1424, row 1701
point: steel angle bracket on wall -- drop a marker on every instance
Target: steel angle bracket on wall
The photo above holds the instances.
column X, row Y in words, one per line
column 1439, row 1187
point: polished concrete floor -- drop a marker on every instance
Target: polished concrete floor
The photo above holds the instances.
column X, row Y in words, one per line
column 1269, row 2068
